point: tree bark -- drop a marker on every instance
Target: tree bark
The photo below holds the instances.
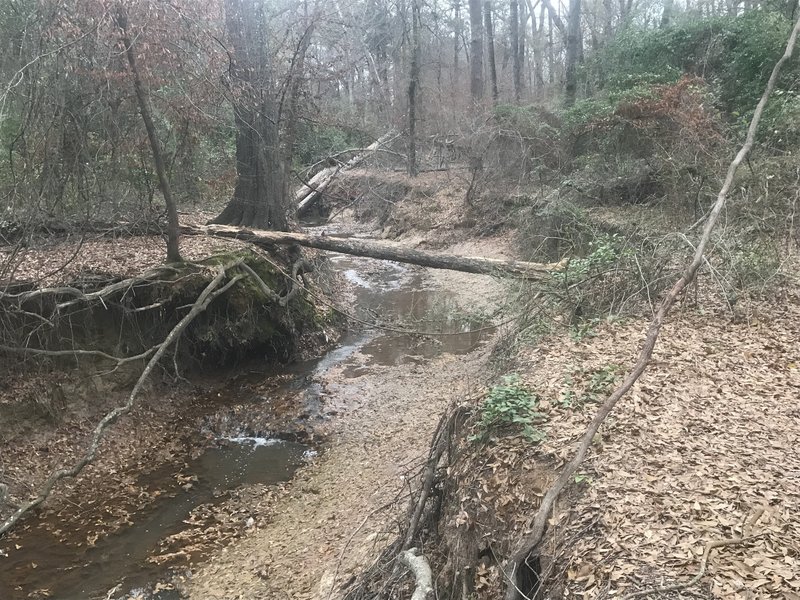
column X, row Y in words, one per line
column 574, row 51
column 143, row 98
column 384, row 251
column 487, row 9
column 413, row 83
column 258, row 196
column 515, row 35
column 476, row 51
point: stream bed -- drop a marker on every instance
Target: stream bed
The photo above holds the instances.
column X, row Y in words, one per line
column 235, row 451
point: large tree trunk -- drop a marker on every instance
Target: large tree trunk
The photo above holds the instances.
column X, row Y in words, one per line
column 476, row 51
column 384, row 251
column 173, row 249
column 258, row 197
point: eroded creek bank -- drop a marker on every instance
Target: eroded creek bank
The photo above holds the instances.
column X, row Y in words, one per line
column 373, row 399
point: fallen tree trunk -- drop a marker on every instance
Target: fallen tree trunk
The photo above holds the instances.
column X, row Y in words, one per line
column 311, row 191
column 384, row 251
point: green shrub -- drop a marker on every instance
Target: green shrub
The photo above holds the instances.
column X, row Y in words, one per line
column 315, row 142
column 735, row 54
column 509, row 404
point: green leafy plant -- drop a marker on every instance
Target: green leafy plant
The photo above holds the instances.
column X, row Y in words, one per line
column 604, row 252
column 509, row 404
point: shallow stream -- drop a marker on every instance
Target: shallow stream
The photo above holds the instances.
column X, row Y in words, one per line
column 235, row 452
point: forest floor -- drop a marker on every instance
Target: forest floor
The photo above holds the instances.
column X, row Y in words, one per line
column 706, row 446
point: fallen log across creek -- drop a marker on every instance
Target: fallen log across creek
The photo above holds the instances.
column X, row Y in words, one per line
column 384, row 251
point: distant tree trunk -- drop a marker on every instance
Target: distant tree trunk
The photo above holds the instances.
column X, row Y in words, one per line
column 516, row 65
column 574, row 51
column 476, row 51
column 523, row 23
column 413, row 83
column 456, row 42
column 487, row 9
column 666, row 16
column 258, row 197
column 538, row 47
column 143, row 98
column 551, row 60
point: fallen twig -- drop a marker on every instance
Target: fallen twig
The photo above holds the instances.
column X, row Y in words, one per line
column 703, row 566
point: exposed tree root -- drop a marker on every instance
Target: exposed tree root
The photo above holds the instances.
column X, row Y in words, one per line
column 529, row 546
column 211, row 291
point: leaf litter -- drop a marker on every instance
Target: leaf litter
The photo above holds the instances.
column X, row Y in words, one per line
column 706, row 447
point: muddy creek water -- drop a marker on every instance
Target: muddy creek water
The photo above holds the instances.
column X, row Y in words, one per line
column 42, row 565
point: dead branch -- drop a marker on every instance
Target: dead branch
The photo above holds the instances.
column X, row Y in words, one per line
column 438, row 447
column 120, row 360
column 530, row 544
column 310, row 191
column 211, row 291
column 421, row 569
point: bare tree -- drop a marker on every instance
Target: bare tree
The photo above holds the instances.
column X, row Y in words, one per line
column 574, row 51
column 413, row 84
column 143, row 98
column 487, row 8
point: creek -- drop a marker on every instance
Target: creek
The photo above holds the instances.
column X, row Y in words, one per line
column 235, row 450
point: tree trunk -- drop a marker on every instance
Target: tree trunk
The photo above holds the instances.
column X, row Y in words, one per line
column 173, row 248
column 537, row 43
column 487, row 9
column 456, row 43
column 476, row 51
column 384, row 251
column 413, row 82
column 258, row 197
column 574, row 51
column 515, row 59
